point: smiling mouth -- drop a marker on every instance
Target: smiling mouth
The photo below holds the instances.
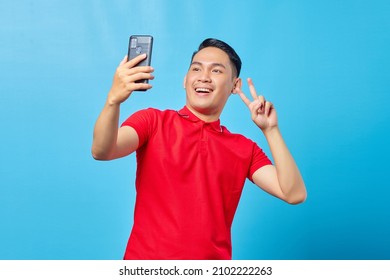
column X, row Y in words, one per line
column 203, row 90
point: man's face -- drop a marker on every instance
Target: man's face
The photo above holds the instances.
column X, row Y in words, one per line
column 209, row 83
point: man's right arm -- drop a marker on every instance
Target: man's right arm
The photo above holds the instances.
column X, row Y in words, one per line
column 109, row 142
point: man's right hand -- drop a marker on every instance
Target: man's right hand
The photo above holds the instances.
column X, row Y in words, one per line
column 126, row 75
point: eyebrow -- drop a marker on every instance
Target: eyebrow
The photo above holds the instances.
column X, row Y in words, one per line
column 215, row 64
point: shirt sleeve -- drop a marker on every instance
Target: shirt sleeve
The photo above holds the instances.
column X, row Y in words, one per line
column 259, row 159
column 143, row 123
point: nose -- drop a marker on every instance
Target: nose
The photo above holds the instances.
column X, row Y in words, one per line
column 204, row 76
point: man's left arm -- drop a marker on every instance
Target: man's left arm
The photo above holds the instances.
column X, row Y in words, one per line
column 282, row 179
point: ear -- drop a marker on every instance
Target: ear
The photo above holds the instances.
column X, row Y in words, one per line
column 184, row 81
column 237, row 85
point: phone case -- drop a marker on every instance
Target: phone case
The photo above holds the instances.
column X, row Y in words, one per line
column 139, row 44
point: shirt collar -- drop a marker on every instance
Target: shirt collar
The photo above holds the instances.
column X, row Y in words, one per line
column 187, row 114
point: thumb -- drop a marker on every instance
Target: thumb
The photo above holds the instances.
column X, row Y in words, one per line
column 124, row 60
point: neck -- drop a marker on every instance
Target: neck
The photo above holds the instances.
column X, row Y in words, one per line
column 206, row 117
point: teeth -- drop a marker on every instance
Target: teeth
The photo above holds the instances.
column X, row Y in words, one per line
column 203, row 90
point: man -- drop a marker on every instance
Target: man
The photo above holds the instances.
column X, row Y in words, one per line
column 190, row 169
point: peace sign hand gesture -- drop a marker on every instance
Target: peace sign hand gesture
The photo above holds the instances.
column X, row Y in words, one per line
column 262, row 112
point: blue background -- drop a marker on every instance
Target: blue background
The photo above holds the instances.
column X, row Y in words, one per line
column 324, row 64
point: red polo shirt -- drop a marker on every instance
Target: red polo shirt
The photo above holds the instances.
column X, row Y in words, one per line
column 190, row 176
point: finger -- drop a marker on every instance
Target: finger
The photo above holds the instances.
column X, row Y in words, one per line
column 136, row 70
column 243, row 97
column 139, row 76
column 127, row 74
column 140, row 86
column 256, row 107
column 268, row 108
column 255, row 96
column 252, row 89
column 124, row 60
column 262, row 103
column 133, row 62
column 145, row 69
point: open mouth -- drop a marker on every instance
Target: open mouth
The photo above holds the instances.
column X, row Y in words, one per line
column 203, row 90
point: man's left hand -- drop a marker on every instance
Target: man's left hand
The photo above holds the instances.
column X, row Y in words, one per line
column 262, row 112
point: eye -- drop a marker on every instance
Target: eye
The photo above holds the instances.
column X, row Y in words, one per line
column 217, row 71
column 195, row 69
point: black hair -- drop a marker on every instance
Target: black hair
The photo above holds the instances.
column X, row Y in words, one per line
column 233, row 56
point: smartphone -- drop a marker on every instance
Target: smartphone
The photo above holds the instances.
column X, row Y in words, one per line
column 139, row 44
